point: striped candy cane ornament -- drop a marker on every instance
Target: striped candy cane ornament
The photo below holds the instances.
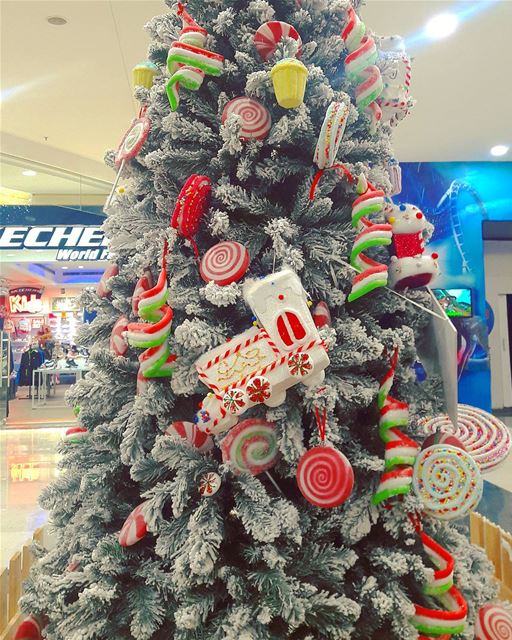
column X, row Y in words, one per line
column 360, row 67
column 372, row 274
column 400, row 451
column 188, row 62
column 153, row 334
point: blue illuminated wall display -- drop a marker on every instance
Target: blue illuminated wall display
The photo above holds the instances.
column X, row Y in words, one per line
column 457, row 197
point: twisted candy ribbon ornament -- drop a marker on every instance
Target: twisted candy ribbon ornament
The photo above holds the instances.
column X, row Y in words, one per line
column 188, row 62
column 435, row 622
column 153, row 334
column 360, row 67
column 372, row 274
column 400, row 451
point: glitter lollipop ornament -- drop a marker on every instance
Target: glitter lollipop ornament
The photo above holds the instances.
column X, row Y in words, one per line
column 325, row 476
column 192, row 204
column 485, row 437
column 447, row 481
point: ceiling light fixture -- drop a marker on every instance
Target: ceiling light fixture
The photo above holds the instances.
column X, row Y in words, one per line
column 65, row 267
column 499, row 150
column 29, row 173
column 57, row 21
column 11, row 255
column 441, row 26
column 80, row 266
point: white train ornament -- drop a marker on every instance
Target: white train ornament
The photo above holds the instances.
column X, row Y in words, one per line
column 260, row 364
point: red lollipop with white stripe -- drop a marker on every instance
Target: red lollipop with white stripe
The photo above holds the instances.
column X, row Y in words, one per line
column 118, row 344
column 256, row 120
column 270, row 34
column 493, row 622
column 224, row 263
column 325, row 477
column 188, row 431
column 134, row 528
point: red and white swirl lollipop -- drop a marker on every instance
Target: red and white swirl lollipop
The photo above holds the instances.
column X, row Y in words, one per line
column 268, row 36
column 325, row 477
column 493, row 622
column 224, row 263
column 256, row 120
column 251, row 446
column 134, row 528
column 118, row 344
column 188, row 431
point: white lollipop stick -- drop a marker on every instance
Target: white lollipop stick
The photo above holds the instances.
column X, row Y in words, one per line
column 114, row 186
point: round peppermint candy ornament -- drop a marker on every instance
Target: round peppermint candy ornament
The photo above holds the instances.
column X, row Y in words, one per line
column 133, row 140
column 270, row 34
column 493, row 623
column 188, row 431
column 441, row 437
column 209, row 484
column 256, row 120
column 325, row 477
column 224, row 263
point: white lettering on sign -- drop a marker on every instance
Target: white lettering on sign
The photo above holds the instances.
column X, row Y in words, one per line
column 73, row 243
column 25, row 300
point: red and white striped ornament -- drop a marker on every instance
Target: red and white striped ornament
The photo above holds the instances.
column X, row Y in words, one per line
column 118, row 344
column 144, row 283
column 224, row 263
column 256, row 120
column 134, row 528
column 188, row 431
column 103, row 289
column 321, row 315
column 29, row 629
column 268, row 36
column 493, row 622
column 75, row 434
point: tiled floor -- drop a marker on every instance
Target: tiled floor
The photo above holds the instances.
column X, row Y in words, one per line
column 53, row 413
column 28, row 462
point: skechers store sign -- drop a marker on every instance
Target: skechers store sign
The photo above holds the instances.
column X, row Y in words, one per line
column 71, row 243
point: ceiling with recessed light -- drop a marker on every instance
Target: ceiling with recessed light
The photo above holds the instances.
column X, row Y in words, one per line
column 66, row 90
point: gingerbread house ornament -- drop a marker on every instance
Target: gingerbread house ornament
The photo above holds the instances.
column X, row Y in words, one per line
column 260, row 364
column 410, row 267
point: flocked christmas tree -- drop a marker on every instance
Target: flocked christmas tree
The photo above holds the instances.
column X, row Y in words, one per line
column 242, row 429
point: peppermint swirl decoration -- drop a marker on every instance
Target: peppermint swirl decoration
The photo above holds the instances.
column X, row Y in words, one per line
column 447, row 481
column 256, row 119
column 325, row 477
column 224, row 263
column 493, row 623
column 251, row 446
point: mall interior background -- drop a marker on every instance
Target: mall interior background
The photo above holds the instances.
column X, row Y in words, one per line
column 52, row 176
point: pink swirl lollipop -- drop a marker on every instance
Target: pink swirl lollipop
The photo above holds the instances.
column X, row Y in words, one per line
column 224, row 263
column 251, row 446
column 268, row 36
column 188, row 431
column 325, row 477
column 493, row 623
column 134, row 528
column 256, row 120
column 485, row 437
column 447, row 481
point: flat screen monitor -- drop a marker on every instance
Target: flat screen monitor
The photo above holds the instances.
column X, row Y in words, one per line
column 457, row 303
